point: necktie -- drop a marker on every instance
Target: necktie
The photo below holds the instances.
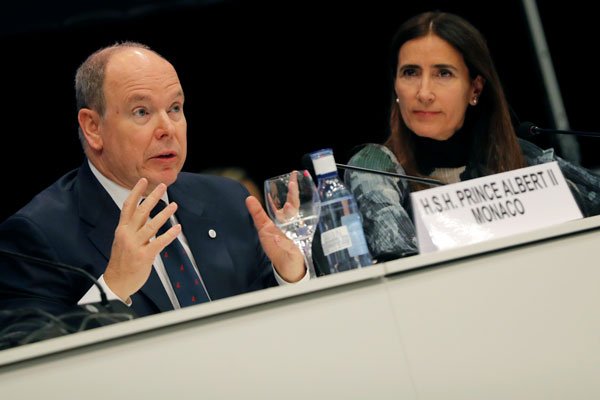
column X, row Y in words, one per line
column 184, row 278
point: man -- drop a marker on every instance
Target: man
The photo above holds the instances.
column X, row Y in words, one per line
column 133, row 131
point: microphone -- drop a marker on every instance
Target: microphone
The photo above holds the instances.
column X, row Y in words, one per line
column 528, row 130
column 429, row 181
column 23, row 323
column 307, row 163
column 56, row 264
column 105, row 305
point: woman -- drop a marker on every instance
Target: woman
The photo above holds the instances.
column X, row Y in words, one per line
column 450, row 121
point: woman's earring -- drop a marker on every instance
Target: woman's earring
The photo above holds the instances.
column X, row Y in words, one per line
column 474, row 101
column 397, row 100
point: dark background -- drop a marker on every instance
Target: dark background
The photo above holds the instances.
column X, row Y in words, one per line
column 265, row 81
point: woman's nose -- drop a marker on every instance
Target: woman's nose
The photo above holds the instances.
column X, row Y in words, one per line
column 425, row 95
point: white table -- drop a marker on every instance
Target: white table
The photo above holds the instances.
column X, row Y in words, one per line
column 514, row 318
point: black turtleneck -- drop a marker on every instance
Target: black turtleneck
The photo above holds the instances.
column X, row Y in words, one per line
column 452, row 153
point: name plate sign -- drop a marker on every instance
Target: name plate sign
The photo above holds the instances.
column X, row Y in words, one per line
column 492, row 206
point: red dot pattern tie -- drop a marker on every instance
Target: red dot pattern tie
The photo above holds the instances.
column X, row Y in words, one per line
column 186, row 283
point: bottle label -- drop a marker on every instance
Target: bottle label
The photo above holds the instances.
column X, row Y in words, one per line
column 348, row 236
column 357, row 236
column 337, row 200
column 335, row 239
column 324, row 165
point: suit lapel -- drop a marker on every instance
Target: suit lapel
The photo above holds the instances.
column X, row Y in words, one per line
column 190, row 217
column 98, row 210
column 211, row 253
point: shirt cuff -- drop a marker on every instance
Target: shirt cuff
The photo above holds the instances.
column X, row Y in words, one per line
column 283, row 282
column 93, row 294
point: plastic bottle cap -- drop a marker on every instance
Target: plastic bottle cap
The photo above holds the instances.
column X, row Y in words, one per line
column 324, row 165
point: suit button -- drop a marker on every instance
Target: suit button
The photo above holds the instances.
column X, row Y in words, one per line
column 212, row 233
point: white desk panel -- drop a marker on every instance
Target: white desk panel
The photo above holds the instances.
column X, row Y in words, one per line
column 522, row 323
column 340, row 343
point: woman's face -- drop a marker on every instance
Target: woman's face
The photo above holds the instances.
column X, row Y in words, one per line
column 433, row 87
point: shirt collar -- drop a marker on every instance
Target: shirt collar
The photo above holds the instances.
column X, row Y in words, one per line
column 117, row 192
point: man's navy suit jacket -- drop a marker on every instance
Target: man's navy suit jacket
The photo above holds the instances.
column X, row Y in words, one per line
column 74, row 220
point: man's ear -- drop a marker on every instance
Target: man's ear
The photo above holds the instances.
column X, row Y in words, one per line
column 89, row 122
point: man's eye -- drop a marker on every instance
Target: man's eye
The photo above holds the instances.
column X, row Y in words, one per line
column 140, row 112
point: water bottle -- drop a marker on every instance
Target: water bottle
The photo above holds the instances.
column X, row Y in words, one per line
column 340, row 222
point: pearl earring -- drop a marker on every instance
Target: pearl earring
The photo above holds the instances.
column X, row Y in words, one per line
column 397, row 100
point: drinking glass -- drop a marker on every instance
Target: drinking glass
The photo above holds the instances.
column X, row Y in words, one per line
column 293, row 203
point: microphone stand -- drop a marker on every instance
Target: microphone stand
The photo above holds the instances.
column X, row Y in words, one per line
column 23, row 322
column 103, row 299
column 536, row 131
column 429, row 181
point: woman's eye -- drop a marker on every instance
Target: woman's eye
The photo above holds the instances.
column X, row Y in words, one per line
column 409, row 72
column 445, row 73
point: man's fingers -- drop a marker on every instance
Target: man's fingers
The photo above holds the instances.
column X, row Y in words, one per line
column 293, row 196
column 274, row 209
column 151, row 227
column 259, row 216
column 131, row 202
column 144, row 208
column 290, row 211
column 165, row 239
column 136, row 214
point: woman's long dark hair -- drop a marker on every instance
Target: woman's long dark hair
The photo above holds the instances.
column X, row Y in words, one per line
column 494, row 145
